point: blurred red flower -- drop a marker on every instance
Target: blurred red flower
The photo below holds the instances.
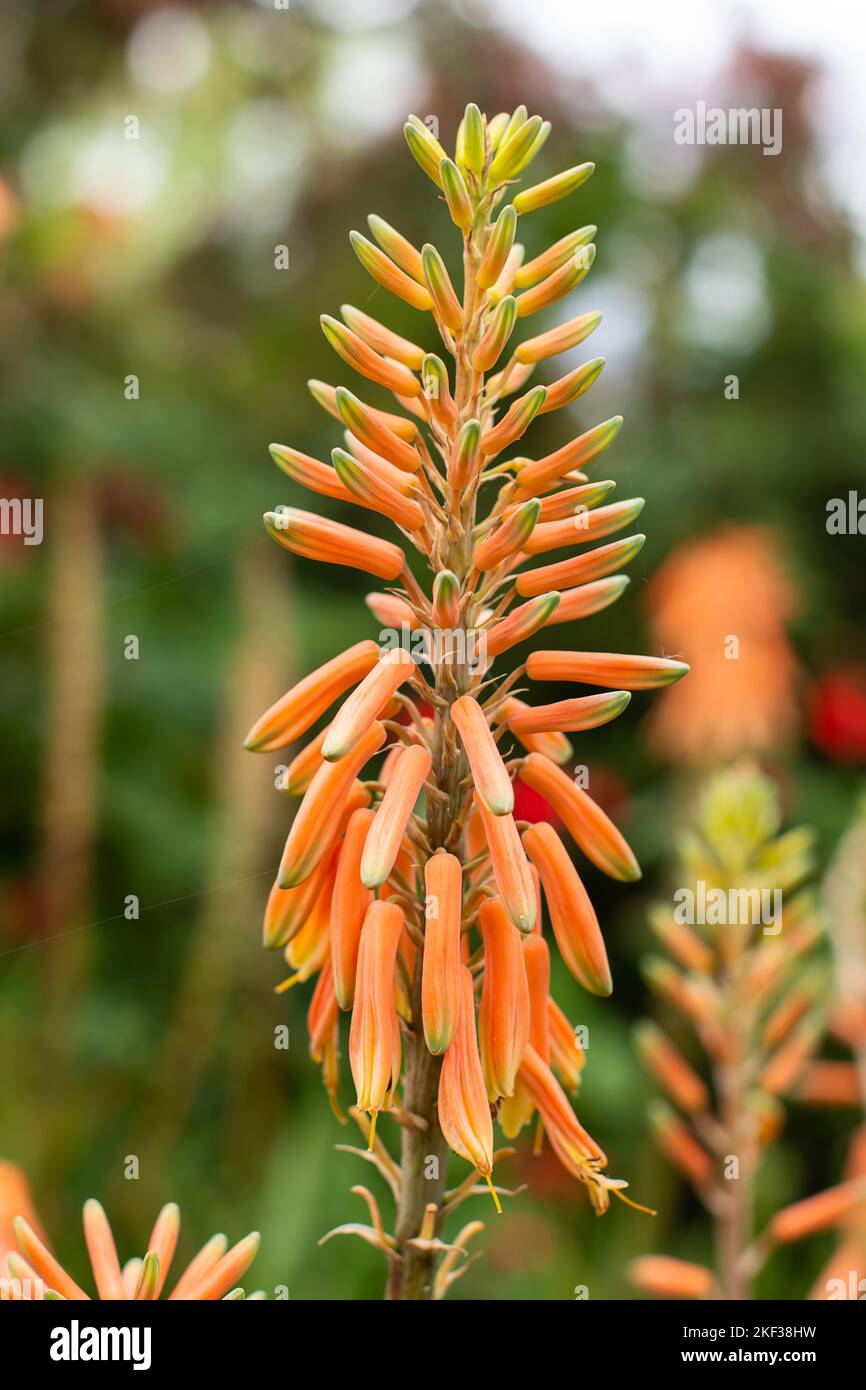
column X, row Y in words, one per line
column 837, row 714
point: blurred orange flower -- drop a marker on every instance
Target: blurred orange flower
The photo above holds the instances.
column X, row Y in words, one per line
column 724, row 600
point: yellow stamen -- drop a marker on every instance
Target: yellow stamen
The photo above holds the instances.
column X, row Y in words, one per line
column 648, row 1211
column 287, row 984
column 494, row 1194
column 372, row 1137
column 538, row 1142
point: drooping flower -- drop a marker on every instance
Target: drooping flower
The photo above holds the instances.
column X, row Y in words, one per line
column 442, row 969
column 374, row 1041
column 503, row 1016
column 464, row 1113
column 406, row 884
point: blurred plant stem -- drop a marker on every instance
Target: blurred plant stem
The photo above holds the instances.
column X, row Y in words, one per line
column 733, row 1217
column 74, row 718
column 233, row 889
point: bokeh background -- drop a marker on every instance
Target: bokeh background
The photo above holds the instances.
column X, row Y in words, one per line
column 154, row 257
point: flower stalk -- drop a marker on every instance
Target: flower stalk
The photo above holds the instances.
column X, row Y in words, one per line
column 750, row 1005
column 429, row 835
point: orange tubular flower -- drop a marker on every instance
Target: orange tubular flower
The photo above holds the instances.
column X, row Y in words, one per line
column 503, row 1017
column 587, row 824
column 574, row 502
column 521, row 624
column 510, row 867
column 544, row 473
column 583, row 526
column 323, row 1028
column 604, row 668
column 664, row 1277
column 588, row 712
column 392, row 611
column 671, row 1069
column 348, row 907
column 374, row 1038
column 489, row 772
column 366, row 485
column 833, row 1207
column 334, row 544
column 441, row 980
column 574, row 1147
column 554, row 744
column 567, row 1055
column 405, row 886
column 367, row 702
column 288, row 909
column 463, row 1110
column 384, row 340
column 35, row 1274
column 309, row 472
column 300, row 707
column 385, row 835
column 517, row 1110
column 356, row 352
column 307, row 951
column 574, row 922
column 317, row 824
column 580, row 569
column 509, row 537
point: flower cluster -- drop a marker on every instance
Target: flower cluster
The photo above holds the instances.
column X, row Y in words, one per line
column 410, row 891
column 30, row 1272
column 745, row 984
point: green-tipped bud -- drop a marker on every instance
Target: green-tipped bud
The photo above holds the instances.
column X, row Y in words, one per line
column 446, row 599
column 552, row 189
column 560, row 283
column 508, row 537
column 407, row 256
column 496, row 129
column 425, row 147
column 439, row 284
column 498, row 331
column 470, row 141
column 387, row 274
column 465, row 458
column 569, row 388
column 498, row 248
column 559, row 339
column 551, row 259
column 515, row 151
column 434, row 375
column 148, row 1283
column 522, row 623
column 515, row 422
column 456, row 194
column 511, row 124
column 534, row 148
